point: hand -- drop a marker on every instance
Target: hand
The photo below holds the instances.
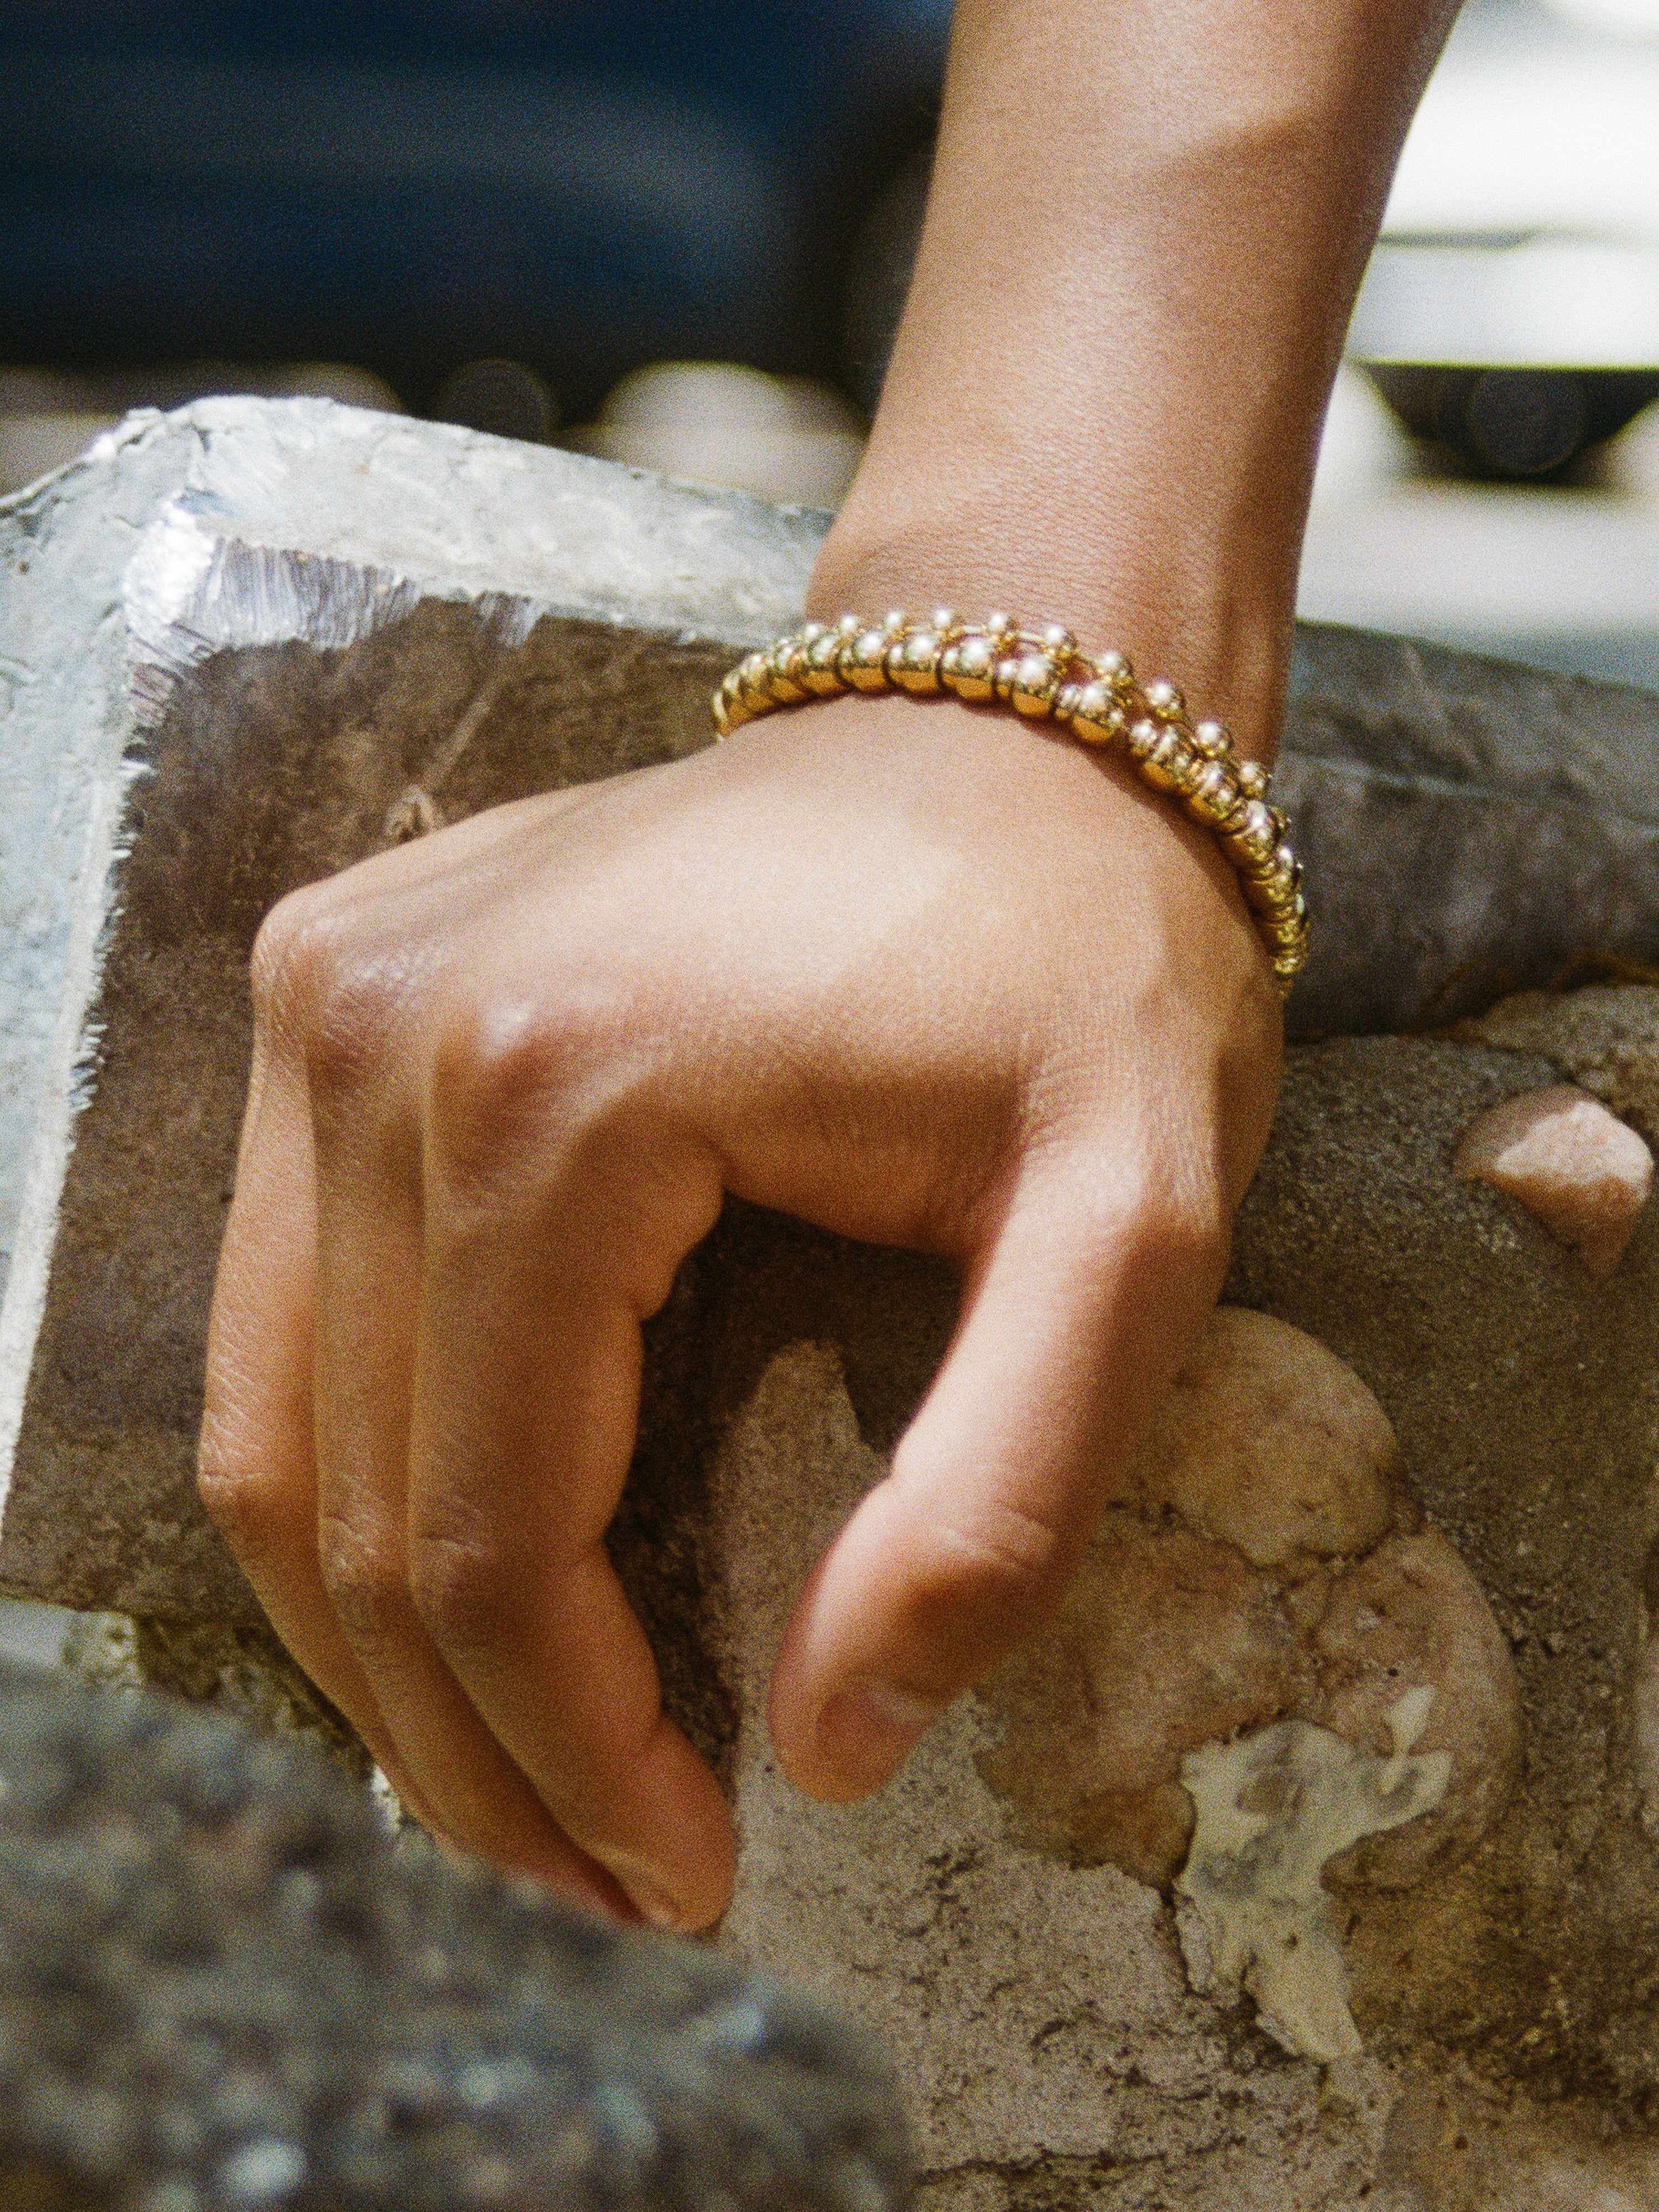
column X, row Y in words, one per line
column 919, row 975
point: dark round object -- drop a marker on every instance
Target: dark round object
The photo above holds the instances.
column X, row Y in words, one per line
column 506, row 398
column 1519, row 423
column 1525, row 422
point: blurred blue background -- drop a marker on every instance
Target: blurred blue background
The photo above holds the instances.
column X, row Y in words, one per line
column 578, row 184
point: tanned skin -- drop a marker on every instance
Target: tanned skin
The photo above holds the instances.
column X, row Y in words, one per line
column 915, row 973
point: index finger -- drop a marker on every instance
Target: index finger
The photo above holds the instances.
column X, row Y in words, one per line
column 526, row 1397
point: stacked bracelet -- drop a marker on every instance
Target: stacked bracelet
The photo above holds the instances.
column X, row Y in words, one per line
column 1046, row 675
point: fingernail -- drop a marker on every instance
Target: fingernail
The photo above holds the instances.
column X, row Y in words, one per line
column 646, row 1894
column 867, row 1731
column 659, row 1908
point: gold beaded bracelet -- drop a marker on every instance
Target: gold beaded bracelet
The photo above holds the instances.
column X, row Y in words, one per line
column 1045, row 675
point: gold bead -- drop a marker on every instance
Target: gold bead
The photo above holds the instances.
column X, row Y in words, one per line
column 1115, row 668
column 787, row 681
column 998, row 625
column 849, row 626
column 913, row 663
column 1165, row 701
column 864, row 662
column 754, row 682
column 1212, row 794
column 1058, row 643
column 809, row 632
column 1250, row 837
column 1095, row 716
column 1004, row 676
column 822, row 673
column 945, row 620
column 1275, row 889
column 1211, row 740
column 895, row 622
column 1034, row 682
column 968, row 666
column 1253, row 779
column 1167, row 765
column 1142, row 736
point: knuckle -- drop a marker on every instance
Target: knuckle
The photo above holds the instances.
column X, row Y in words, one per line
column 463, row 1592
column 240, row 1500
column 1001, row 1566
column 323, row 991
column 363, row 1578
column 505, row 1078
column 292, row 942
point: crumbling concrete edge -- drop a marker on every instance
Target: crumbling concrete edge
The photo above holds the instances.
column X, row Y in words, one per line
column 241, row 522
column 247, row 522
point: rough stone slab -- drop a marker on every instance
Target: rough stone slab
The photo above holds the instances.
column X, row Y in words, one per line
column 231, row 639
column 222, row 1989
column 229, row 665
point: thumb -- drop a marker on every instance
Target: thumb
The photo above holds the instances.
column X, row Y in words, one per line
column 1077, row 1309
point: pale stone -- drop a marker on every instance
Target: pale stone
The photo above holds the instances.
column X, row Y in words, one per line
column 1272, row 1809
column 1269, row 1443
column 1411, row 1618
column 1575, row 1166
column 1164, row 1642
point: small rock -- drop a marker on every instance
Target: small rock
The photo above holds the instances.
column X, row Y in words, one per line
column 1575, row 1166
column 1410, row 1616
column 1270, row 1569
column 1166, row 1641
column 1271, row 1443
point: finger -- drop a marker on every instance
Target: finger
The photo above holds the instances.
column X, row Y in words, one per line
column 1098, row 1277
column 367, row 1302
column 526, row 1396
column 256, row 1467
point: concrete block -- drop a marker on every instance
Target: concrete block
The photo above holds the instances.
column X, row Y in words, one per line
column 240, row 643
column 247, row 644
column 223, row 1988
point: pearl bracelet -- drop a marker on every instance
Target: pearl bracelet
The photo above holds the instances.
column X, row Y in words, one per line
column 1046, row 677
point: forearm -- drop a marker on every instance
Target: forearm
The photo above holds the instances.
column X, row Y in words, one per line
column 1147, row 223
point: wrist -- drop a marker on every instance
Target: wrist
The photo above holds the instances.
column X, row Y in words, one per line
column 1189, row 605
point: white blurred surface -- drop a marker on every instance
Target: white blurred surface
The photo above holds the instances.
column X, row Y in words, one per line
column 33, row 1635
column 1564, row 577
column 787, row 438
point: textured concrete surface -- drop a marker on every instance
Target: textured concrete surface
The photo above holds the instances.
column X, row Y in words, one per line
column 248, row 644
column 1036, row 2003
column 222, row 1992
column 242, row 645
